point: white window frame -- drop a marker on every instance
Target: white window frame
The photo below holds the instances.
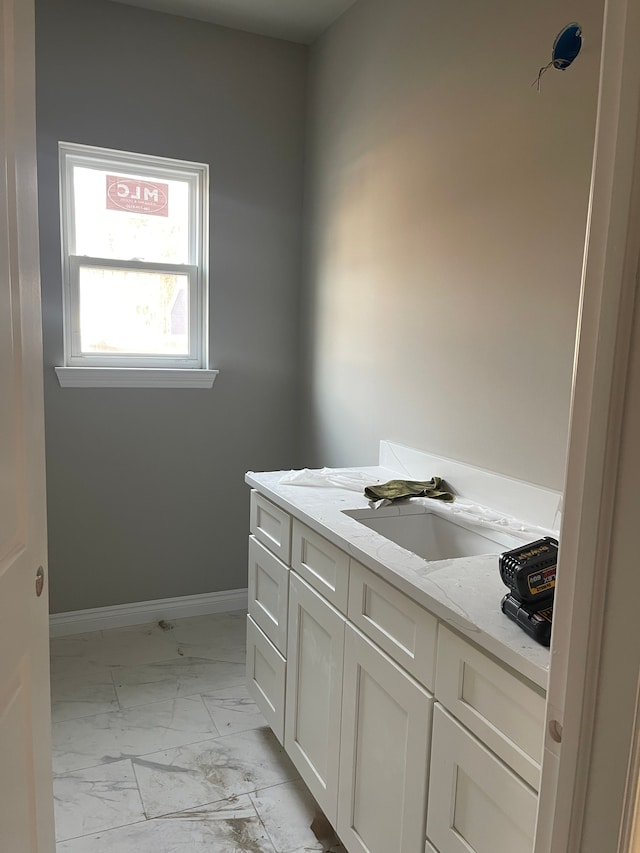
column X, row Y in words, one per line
column 135, row 370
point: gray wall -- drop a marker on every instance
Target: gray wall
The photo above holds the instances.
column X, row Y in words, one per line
column 446, row 211
column 145, row 487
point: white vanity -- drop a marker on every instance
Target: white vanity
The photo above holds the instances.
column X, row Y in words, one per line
column 412, row 708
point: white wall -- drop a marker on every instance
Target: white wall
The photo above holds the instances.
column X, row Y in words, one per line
column 446, row 206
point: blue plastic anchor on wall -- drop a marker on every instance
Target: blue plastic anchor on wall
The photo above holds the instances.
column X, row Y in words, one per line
column 565, row 49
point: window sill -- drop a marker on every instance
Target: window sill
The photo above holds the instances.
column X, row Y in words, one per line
column 134, row 377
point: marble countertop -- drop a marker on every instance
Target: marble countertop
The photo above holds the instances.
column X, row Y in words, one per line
column 465, row 592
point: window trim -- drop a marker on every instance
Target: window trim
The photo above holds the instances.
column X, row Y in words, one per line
column 155, row 168
column 133, row 377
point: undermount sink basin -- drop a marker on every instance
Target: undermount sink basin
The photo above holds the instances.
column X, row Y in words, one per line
column 432, row 537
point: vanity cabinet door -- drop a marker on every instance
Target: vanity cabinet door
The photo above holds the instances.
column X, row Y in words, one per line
column 314, row 691
column 476, row 803
column 386, row 725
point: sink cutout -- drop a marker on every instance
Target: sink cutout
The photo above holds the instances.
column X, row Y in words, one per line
column 432, row 537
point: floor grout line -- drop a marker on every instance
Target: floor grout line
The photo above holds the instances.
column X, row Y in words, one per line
column 162, row 662
column 263, row 824
column 132, row 757
column 81, row 716
column 99, row 831
column 115, row 688
column 177, row 814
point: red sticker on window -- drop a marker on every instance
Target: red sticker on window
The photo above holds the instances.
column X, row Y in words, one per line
column 137, row 196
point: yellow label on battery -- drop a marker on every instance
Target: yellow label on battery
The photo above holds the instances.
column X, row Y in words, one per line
column 546, row 614
column 542, row 581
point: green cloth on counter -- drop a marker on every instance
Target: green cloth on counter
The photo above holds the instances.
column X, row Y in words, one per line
column 396, row 490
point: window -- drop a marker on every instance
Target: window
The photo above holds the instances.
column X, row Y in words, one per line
column 134, row 261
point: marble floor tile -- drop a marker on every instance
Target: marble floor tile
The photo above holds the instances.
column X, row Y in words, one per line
column 202, row 773
column 287, row 812
column 227, row 827
column 334, row 847
column 204, row 754
column 140, row 685
column 137, row 644
column 88, row 741
column 95, row 799
column 74, row 646
column 233, row 710
column 74, row 696
column 68, row 666
column 338, row 847
column 219, row 637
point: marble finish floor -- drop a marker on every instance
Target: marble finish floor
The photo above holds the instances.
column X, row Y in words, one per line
column 158, row 747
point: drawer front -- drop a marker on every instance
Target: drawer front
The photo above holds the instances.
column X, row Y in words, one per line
column 271, row 526
column 268, row 593
column 476, row 804
column 324, row 566
column 504, row 712
column 266, row 673
column 430, row 848
column 396, row 623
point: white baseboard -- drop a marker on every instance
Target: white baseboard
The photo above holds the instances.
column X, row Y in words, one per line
column 142, row 612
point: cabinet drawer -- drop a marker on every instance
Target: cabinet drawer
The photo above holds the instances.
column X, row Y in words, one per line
column 503, row 711
column 266, row 672
column 268, row 593
column 271, row 526
column 476, row 804
column 324, row 566
column 395, row 622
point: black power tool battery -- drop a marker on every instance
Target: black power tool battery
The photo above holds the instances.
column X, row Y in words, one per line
column 530, row 571
column 537, row 623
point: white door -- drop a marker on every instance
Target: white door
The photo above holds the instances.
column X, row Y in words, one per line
column 476, row 803
column 314, row 692
column 386, row 728
column 26, row 804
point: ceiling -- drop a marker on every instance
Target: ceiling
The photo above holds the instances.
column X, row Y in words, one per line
column 294, row 20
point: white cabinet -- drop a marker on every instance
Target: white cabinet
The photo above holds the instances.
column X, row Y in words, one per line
column 411, row 738
column 266, row 677
column 476, row 803
column 314, row 691
column 386, row 725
